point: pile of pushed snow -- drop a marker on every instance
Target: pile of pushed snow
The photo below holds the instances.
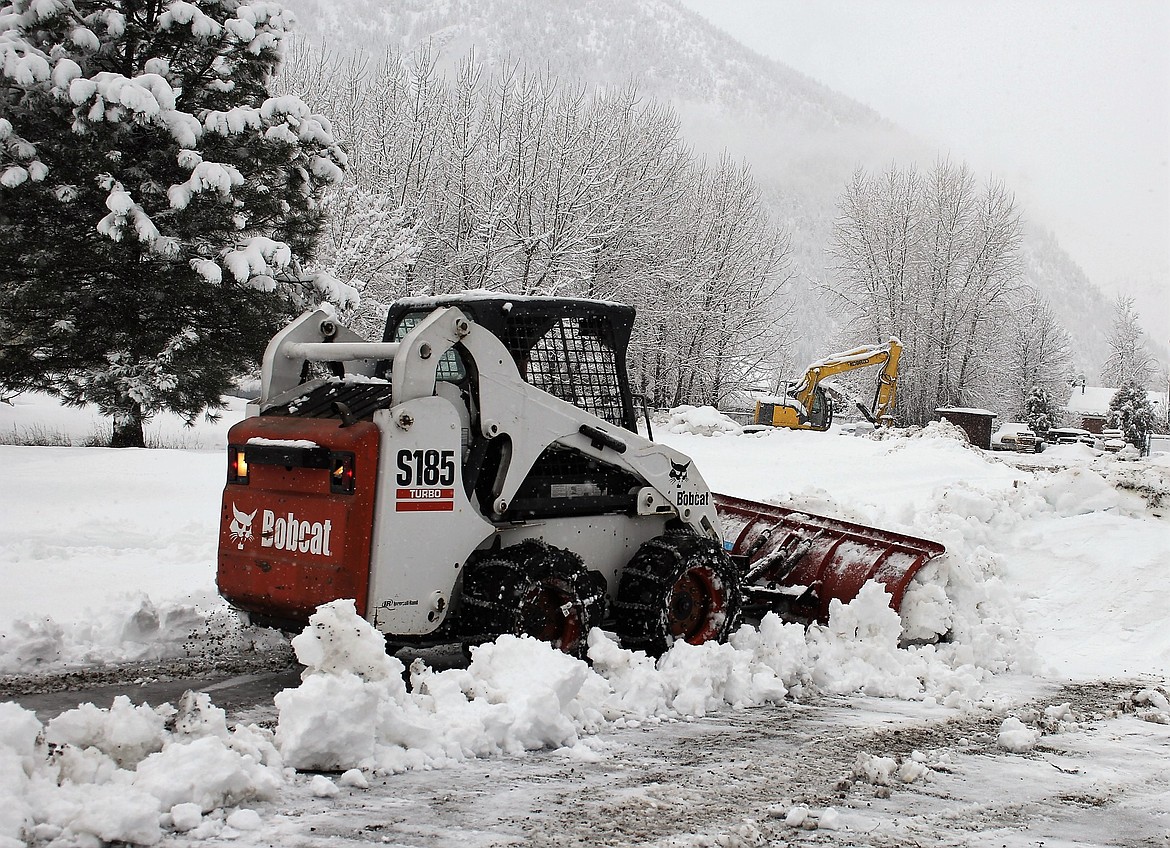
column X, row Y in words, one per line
column 132, row 774
column 132, row 629
column 127, row 773
column 353, row 709
column 698, row 421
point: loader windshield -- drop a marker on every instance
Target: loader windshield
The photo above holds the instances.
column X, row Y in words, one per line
column 450, row 368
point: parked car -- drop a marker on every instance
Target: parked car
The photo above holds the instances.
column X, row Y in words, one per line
column 1070, row 436
column 1016, row 436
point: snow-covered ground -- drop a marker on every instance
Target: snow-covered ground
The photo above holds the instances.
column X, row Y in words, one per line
column 1055, row 576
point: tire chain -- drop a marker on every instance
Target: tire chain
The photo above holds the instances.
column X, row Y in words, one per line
column 641, row 607
column 494, row 585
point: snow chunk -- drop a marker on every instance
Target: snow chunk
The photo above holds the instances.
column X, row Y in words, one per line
column 188, row 14
column 184, row 128
column 339, row 642
column 85, row 38
column 65, row 72
column 28, row 70
column 1153, row 706
column 797, row 816
column 322, row 787
column 829, row 819
column 257, row 260
column 157, row 65
column 1016, row 736
column 12, row 176
column 126, row 733
column 205, row 176
column 186, row 816
column 244, row 819
column 234, row 121
column 208, row 270
column 206, row 772
column 43, row 9
column 354, row 778
column 326, row 170
column 879, row 771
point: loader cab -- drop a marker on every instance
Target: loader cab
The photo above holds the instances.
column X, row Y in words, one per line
column 573, row 349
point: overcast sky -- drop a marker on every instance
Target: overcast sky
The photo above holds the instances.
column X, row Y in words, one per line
column 1067, row 101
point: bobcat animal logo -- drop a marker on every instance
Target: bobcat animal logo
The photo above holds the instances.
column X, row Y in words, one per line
column 241, row 526
column 679, row 472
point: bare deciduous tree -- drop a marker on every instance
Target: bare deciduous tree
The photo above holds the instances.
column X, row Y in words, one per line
column 1129, row 359
column 1036, row 355
column 528, row 183
column 933, row 260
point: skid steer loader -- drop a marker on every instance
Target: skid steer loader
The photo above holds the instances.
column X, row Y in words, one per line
column 479, row 471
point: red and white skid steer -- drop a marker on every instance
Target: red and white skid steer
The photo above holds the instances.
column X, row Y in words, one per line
column 480, row 472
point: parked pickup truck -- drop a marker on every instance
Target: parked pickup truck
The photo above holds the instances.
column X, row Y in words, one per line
column 1018, row 437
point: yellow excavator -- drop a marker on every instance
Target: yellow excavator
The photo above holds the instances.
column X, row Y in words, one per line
column 806, row 406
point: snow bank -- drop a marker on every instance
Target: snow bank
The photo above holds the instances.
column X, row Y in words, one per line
column 353, row 708
column 125, row 773
column 1033, row 550
column 130, row 629
column 698, row 420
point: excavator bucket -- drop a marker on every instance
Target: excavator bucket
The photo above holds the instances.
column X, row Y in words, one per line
column 798, row 562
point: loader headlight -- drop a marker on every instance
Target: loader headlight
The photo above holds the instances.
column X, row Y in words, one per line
column 237, row 465
column 341, row 473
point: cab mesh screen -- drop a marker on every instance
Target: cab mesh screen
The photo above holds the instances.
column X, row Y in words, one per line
column 576, row 366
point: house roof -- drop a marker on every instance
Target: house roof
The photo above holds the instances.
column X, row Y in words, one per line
column 1094, row 400
column 967, row 410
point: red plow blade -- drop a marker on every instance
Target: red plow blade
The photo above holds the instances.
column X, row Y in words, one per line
column 786, row 547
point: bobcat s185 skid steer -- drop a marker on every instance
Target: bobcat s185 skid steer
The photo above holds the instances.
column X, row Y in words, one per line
column 480, row 471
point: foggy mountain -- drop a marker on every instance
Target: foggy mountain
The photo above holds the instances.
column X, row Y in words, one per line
column 803, row 139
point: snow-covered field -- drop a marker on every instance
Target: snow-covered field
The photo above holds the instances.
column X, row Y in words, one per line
column 1055, row 578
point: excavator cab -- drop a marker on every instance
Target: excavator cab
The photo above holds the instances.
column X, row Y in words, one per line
column 786, row 411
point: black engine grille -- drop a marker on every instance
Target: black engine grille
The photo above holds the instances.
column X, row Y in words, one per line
column 335, row 400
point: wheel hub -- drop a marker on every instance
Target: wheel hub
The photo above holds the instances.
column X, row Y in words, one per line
column 694, row 600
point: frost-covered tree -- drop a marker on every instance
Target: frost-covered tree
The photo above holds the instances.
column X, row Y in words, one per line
column 154, row 199
column 1130, row 412
column 1035, row 354
column 536, row 184
column 934, row 260
column 1129, row 358
column 1040, row 411
column 370, row 245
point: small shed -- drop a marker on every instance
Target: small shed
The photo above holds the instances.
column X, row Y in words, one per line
column 976, row 423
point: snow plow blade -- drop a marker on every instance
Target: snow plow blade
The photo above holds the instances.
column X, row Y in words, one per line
column 797, row 562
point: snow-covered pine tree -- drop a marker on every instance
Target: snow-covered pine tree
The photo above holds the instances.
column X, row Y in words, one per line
column 1130, row 411
column 1039, row 411
column 154, row 200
